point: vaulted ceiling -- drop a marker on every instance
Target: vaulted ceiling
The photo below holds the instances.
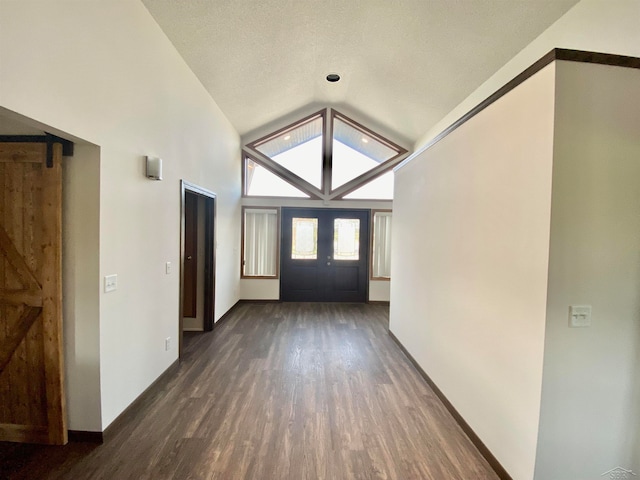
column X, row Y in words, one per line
column 403, row 63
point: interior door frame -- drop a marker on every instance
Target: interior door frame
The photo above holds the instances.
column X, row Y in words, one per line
column 209, row 257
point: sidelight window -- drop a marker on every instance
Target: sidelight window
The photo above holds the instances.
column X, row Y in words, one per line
column 381, row 252
column 260, row 247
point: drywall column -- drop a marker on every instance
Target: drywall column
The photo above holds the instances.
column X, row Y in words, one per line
column 81, row 286
column 590, row 405
column 470, row 251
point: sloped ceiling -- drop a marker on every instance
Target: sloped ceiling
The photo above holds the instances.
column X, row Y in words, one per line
column 404, row 63
column 10, row 126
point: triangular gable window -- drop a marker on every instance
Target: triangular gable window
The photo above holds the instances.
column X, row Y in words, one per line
column 260, row 182
column 380, row 188
column 342, row 168
column 355, row 151
column 298, row 149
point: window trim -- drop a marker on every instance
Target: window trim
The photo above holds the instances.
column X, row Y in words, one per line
column 324, row 193
column 242, row 247
column 372, row 223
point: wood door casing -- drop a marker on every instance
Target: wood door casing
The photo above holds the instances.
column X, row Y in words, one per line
column 209, row 284
column 190, row 292
column 32, row 401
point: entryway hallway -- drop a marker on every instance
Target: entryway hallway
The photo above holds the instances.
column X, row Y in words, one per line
column 277, row 391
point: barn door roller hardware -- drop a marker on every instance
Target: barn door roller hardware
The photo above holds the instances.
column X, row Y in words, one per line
column 48, row 138
column 67, row 148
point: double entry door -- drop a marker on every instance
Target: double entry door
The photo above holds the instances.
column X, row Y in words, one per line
column 324, row 255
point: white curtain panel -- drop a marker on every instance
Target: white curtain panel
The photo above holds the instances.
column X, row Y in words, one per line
column 260, row 242
column 382, row 244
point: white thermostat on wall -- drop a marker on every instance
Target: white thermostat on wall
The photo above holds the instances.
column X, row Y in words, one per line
column 154, row 168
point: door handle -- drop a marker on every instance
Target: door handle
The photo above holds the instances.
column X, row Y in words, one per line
column 189, row 257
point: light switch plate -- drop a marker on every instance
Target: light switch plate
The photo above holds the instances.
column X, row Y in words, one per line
column 167, row 268
column 110, row 283
column 580, row 316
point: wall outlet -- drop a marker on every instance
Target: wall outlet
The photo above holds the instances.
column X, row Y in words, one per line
column 110, row 283
column 167, row 268
column 167, row 344
column 579, row 316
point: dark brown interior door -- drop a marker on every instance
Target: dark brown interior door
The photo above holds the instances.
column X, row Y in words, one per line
column 32, row 404
column 324, row 255
column 190, row 291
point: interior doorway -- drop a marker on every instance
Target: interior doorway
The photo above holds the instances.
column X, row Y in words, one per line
column 324, row 255
column 197, row 260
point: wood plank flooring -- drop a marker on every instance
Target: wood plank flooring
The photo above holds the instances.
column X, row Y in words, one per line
column 278, row 391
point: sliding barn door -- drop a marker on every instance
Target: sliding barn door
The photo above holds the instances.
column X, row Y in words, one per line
column 32, row 407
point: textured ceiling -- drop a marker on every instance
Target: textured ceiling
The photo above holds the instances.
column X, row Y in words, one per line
column 404, row 63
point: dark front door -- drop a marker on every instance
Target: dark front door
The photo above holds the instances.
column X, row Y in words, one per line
column 324, row 256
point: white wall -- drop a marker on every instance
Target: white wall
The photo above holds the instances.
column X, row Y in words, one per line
column 259, row 289
column 608, row 26
column 470, row 247
column 379, row 290
column 81, row 286
column 105, row 72
column 591, row 375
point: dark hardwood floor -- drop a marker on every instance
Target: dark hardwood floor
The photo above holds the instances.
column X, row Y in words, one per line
column 278, row 391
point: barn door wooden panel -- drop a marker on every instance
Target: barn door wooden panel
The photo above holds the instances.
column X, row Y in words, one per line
column 32, row 406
